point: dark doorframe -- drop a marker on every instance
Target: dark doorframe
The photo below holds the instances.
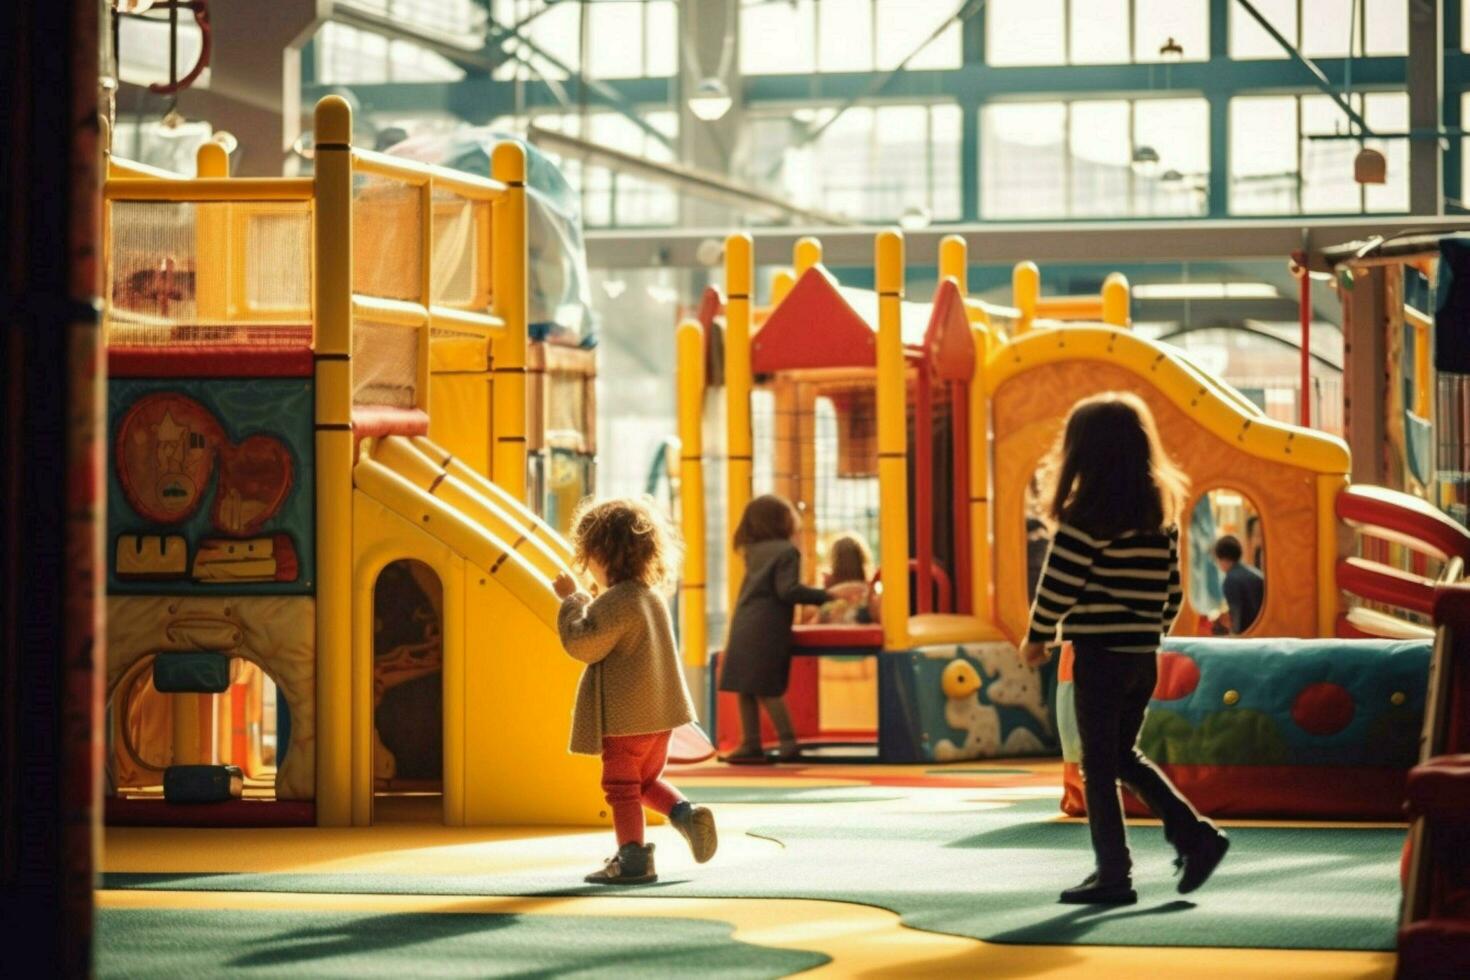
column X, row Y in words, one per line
column 50, row 464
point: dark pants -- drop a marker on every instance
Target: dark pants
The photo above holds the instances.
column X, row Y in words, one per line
column 1112, row 692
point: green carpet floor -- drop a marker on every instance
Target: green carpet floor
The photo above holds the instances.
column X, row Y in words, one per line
column 713, row 795
column 190, row 943
column 991, row 874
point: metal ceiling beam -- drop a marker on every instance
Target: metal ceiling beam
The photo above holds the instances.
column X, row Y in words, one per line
column 1318, row 76
column 1006, row 244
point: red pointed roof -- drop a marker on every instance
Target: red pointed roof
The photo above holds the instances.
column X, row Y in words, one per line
column 949, row 343
column 813, row 327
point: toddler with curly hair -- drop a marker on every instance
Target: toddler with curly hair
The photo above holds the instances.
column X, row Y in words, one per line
column 632, row 695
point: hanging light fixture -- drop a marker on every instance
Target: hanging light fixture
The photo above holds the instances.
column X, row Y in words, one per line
column 1171, row 50
column 1145, row 161
column 915, row 217
column 711, row 99
column 1370, row 167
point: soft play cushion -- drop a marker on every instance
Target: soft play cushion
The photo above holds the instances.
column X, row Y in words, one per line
column 1281, row 727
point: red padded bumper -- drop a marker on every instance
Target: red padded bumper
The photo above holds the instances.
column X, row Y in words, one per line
column 1440, row 788
column 826, row 637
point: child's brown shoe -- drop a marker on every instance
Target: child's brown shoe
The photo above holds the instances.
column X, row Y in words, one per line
column 697, row 825
column 632, row 865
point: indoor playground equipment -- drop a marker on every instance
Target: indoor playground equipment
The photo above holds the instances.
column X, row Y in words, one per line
column 920, row 427
column 320, row 434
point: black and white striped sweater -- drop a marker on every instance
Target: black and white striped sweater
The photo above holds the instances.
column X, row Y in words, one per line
column 1121, row 593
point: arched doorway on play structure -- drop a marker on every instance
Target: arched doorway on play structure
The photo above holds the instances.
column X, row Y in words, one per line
column 408, row 692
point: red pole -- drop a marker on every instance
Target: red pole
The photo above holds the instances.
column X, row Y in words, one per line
column 1305, row 304
column 924, row 487
column 959, row 414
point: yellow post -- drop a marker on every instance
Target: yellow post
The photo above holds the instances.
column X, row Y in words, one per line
column 954, row 262
column 1025, row 294
column 508, row 411
column 690, row 344
column 806, row 253
column 214, row 267
column 1329, row 597
column 1423, row 370
column 426, row 293
column 893, row 504
column 739, row 283
column 781, row 284
column 211, row 279
column 1115, row 298
column 982, row 553
column 333, row 276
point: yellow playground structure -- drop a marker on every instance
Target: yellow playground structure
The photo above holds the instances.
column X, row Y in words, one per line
column 318, row 406
column 921, row 426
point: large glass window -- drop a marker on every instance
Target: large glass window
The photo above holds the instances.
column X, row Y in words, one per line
column 872, row 162
column 1082, row 32
column 611, row 199
column 346, row 56
column 1286, row 156
column 633, row 39
column 1094, row 158
column 550, row 37
column 800, row 36
column 1322, row 28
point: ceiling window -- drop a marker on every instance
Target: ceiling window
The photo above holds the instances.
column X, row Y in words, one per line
column 1094, row 158
column 802, row 36
column 611, row 199
column 633, row 39
column 1286, row 157
column 346, row 55
column 1094, row 32
column 1321, row 28
column 875, row 163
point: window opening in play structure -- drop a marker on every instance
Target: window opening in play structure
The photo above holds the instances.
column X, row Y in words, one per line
column 1227, row 593
column 408, row 659
column 246, row 725
column 201, row 274
column 817, row 446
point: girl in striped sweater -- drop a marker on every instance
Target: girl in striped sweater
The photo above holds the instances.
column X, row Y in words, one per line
column 1111, row 585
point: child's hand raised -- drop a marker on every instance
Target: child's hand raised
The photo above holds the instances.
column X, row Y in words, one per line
column 564, row 585
column 1034, row 654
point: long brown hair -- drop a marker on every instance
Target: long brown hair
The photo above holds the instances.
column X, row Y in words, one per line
column 629, row 537
column 1112, row 474
column 848, row 559
column 768, row 517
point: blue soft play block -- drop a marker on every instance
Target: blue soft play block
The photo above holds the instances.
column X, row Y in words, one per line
column 202, row 784
column 191, row 673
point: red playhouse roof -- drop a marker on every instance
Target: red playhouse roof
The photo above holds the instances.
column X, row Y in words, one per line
column 949, row 343
column 813, row 327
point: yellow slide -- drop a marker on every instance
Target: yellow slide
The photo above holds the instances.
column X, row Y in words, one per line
column 508, row 685
column 1290, row 475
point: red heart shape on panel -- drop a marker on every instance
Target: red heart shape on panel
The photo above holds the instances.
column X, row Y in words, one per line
column 255, row 477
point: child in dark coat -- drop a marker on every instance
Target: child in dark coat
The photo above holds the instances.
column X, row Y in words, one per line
column 757, row 660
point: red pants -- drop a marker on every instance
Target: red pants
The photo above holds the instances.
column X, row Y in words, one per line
column 631, row 767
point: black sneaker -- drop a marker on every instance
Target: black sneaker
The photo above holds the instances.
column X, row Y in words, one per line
column 746, row 757
column 1094, row 892
column 632, row 865
column 697, row 825
column 1201, row 858
column 788, row 754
